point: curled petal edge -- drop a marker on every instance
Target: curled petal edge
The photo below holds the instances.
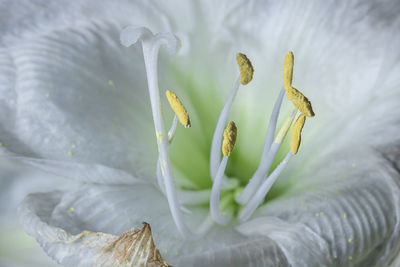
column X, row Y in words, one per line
column 132, row 248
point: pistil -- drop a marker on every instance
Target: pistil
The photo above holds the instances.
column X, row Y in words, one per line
column 151, row 45
column 171, row 134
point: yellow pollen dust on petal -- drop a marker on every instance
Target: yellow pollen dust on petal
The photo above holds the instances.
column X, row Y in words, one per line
column 230, row 134
column 288, row 69
column 178, row 108
column 245, row 68
column 300, row 101
column 296, row 134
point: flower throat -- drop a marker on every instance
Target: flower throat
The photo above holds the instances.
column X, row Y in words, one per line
column 227, row 201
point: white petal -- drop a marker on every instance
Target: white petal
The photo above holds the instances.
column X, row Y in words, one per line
column 87, row 173
column 353, row 219
column 16, row 181
column 54, row 217
column 81, row 97
column 354, row 41
column 27, row 19
column 133, row 248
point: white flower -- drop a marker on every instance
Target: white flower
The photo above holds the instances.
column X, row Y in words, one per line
column 79, row 106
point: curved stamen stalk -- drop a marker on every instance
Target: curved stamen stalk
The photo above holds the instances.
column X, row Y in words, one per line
column 215, row 192
column 215, row 155
column 171, row 132
column 182, row 116
column 246, row 75
column 228, row 144
column 272, row 124
column 151, row 45
column 258, row 198
column 263, row 190
column 266, row 162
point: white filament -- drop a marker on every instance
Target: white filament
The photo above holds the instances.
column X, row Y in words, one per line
column 171, row 132
column 215, row 155
column 266, row 161
column 272, row 124
column 215, row 192
column 263, row 190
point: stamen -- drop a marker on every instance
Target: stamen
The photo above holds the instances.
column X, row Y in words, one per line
column 245, row 67
column 267, row 184
column 265, row 157
column 151, row 45
column 288, row 69
column 229, row 139
column 246, row 74
column 265, row 163
column 258, row 198
column 295, row 96
column 228, row 145
column 285, row 127
column 272, row 123
column 300, row 101
column 296, row 134
column 178, row 108
column 171, row 132
column 215, row 154
column 215, row 191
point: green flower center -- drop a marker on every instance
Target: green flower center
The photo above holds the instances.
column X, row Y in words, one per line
column 199, row 171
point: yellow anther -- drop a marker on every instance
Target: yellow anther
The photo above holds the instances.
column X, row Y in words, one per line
column 229, row 139
column 300, row 101
column 245, row 67
column 178, row 108
column 296, row 134
column 288, row 69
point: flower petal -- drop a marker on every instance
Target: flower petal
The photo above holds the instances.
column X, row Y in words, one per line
column 84, row 68
column 353, row 219
column 53, row 218
column 16, row 181
column 134, row 247
column 87, row 173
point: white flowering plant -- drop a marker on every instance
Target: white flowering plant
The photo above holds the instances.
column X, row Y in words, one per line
column 90, row 88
